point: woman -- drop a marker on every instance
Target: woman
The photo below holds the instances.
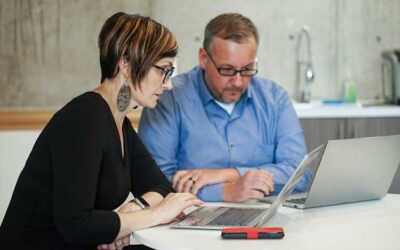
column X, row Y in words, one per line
column 88, row 157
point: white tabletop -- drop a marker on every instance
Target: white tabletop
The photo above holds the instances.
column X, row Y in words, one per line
column 363, row 225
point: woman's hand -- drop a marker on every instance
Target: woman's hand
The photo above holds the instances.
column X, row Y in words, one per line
column 119, row 244
column 129, row 207
column 172, row 206
column 116, row 245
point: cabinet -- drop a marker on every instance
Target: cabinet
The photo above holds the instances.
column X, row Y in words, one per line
column 318, row 131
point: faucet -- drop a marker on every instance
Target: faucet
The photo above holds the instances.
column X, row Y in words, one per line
column 304, row 67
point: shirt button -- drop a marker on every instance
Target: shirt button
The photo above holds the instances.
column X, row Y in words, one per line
column 231, row 145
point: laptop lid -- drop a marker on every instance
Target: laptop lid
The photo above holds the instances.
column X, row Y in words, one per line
column 199, row 221
column 290, row 185
column 354, row 170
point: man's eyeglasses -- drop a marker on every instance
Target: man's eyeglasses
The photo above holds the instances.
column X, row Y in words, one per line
column 232, row 71
column 166, row 72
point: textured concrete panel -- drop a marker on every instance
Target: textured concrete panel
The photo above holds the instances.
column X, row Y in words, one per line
column 48, row 51
column 278, row 22
column 48, row 48
column 365, row 29
column 345, row 37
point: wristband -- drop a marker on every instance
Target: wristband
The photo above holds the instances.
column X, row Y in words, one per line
column 142, row 203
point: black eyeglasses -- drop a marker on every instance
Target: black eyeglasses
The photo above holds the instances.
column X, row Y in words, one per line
column 232, row 71
column 167, row 72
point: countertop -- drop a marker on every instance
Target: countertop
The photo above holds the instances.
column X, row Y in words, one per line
column 319, row 110
column 31, row 119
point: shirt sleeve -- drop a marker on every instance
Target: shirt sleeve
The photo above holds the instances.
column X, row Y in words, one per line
column 159, row 131
column 212, row 192
column 290, row 147
column 76, row 141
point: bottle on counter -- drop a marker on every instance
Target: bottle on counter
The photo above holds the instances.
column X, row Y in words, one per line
column 349, row 91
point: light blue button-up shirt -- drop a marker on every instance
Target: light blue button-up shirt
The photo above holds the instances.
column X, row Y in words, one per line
column 188, row 130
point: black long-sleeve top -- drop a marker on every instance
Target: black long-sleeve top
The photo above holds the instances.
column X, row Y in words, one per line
column 75, row 176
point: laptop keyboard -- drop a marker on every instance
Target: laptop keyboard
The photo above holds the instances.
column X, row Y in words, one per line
column 236, row 217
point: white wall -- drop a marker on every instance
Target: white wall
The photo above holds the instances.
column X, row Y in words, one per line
column 15, row 147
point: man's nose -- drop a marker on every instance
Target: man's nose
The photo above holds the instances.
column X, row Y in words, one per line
column 237, row 80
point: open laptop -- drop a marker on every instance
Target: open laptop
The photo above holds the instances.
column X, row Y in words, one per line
column 351, row 170
column 217, row 217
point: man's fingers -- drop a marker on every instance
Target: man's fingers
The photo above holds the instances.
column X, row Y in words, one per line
column 175, row 180
column 270, row 185
column 182, row 181
column 179, row 174
column 197, row 185
column 262, row 181
column 257, row 194
column 179, row 184
column 188, row 185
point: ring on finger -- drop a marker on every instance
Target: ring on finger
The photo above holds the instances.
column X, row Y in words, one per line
column 191, row 179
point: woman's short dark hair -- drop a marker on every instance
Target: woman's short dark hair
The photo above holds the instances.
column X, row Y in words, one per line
column 141, row 40
column 230, row 26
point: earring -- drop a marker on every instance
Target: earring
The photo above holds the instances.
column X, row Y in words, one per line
column 124, row 96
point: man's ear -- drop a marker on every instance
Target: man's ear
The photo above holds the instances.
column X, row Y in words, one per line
column 202, row 58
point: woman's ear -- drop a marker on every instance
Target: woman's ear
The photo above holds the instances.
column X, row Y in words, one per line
column 123, row 65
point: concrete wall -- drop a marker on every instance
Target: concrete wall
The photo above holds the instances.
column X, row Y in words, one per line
column 48, row 49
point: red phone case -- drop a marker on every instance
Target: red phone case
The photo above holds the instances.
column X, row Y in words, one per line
column 253, row 233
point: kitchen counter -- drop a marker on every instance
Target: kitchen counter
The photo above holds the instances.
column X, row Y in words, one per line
column 319, row 110
column 28, row 119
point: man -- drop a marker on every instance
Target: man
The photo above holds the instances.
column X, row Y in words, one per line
column 223, row 133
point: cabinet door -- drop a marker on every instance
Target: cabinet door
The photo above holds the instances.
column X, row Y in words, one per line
column 319, row 131
column 363, row 127
column 376, row 127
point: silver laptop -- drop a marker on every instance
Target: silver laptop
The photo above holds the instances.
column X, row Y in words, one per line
column 352, row 170
column 217, row 217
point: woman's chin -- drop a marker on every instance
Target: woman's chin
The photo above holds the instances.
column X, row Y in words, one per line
column 151, row 105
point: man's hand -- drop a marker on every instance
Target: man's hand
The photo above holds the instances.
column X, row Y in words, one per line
column 190, row 181
column 254, row 184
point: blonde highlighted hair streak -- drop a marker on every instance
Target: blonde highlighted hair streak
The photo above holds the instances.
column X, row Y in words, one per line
column 140, row 40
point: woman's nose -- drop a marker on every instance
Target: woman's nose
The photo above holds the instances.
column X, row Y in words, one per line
column 167, row 85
